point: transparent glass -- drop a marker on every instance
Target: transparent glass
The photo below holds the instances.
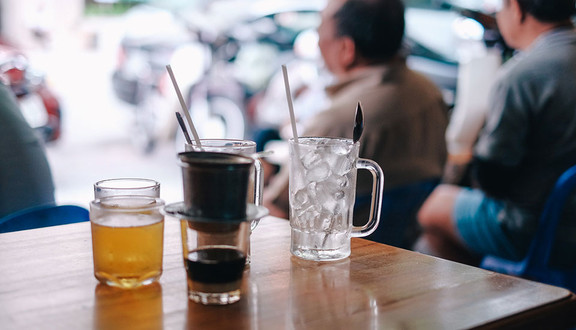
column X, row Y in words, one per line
column 214, row 257
column 127, row 240
column 322, row 194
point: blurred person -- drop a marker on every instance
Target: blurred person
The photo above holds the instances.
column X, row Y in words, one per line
column 527, row 142
column 405, row 116
column 476, row 75
column 25, row 176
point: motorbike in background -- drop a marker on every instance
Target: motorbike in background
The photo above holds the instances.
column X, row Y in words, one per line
column 246, row 52
column 39, row 105
column 140, row 78
column 223, row 56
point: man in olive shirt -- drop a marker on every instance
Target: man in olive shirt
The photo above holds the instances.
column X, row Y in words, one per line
column 25, row 177
column 405, row 117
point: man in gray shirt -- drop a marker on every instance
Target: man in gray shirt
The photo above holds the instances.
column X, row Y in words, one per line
column 25, row 177
column 528, row 140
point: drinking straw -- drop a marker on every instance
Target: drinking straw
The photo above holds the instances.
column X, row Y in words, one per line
column 290, row 106
column 183, row 105
column 183, row 127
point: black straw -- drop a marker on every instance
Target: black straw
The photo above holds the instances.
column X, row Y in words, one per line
column 183, row 127
column 358, row 123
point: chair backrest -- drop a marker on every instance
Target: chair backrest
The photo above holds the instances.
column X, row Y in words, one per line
column 541, row 246
column 536, row 263
column 43, row 216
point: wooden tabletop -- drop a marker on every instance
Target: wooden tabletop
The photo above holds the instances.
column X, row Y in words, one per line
column 47, row 282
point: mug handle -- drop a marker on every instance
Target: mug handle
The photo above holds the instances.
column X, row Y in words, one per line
column 376, row 203
column 258, row 186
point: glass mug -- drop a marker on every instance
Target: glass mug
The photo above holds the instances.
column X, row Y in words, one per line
column 322, row 196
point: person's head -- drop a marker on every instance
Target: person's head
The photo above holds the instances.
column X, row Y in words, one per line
column 355, row 33
column 520, row 21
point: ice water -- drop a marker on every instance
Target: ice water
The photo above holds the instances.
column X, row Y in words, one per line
column 322, row 194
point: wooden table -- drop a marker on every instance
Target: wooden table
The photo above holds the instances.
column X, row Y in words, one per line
column 46, row 282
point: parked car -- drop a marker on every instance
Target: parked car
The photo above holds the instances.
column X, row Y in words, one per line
column 38, row 103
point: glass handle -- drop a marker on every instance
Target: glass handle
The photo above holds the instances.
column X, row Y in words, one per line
column 376, row 202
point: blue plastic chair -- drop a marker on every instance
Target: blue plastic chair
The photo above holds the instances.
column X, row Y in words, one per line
column 43, row 216
column 535, row 265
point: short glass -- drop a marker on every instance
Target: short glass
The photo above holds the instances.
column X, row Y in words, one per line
column 127, row 240
column 126, row 186
column 214, row 257
column 322, row 196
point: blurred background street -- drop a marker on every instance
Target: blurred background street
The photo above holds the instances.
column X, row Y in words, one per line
column 95, row 142
column 105, row 62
